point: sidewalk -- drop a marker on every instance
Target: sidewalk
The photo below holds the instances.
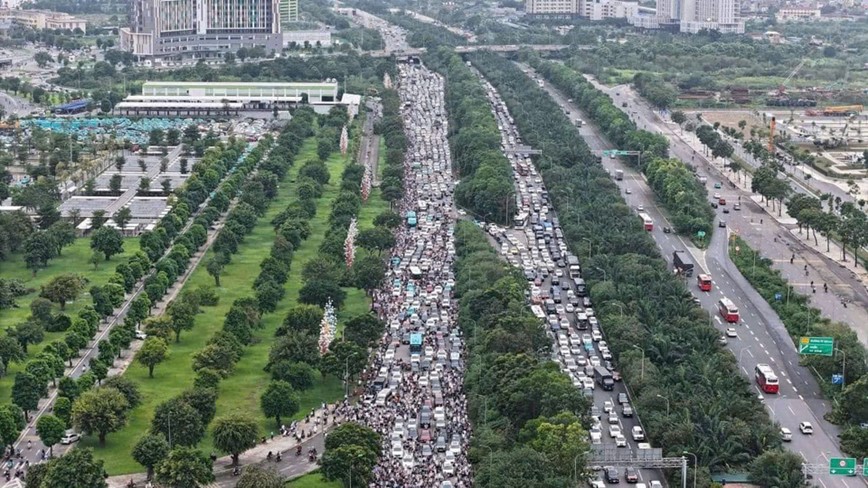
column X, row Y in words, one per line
column 290, row 465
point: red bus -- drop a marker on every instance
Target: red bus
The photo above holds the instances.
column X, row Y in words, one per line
column 766, row 378
column 646, row 221
column 704, row 282
column 728, row 310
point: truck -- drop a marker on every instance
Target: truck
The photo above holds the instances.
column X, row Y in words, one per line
column 603, row 377
column 619, row 174
column 682, row 263
column 572, row 260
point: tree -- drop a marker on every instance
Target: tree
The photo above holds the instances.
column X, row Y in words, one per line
column 235, row 434
column 39, row 248
column 128, row 388
column 183, row 313
column 100, row 411
column 377, row 239
column 63, row 288
column 96, row 258
column 678, row 117
column 97, row 219
column 154, row 351
column 778, row 468
column 150, row 451
column 351, row 433
column 305, row 318
column 50, row 430
column 368, row 272
column 10, row 350
column 43, row 59
column 185, row 467
column 11, row 424
column 108, row 241
column 257, row 476
column 561, row 438
column 115, row 183
column 279, row 400
column 364, row 329
column 318, row 292
column 388, row 220
column 123, row 217
column 351, row 463
column 63, row 410
column 76, row 468
column 27, row 332
column 300, row 375
column 179, row 422
column 344, row 358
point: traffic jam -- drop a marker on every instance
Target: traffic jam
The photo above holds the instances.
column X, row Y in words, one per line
column 559, row 298
column 415, row 398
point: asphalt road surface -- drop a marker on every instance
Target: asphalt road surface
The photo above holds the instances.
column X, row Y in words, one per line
column 762, row 337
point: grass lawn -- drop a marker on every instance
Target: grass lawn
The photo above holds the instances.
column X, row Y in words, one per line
column 74, row 259
column 313, row 480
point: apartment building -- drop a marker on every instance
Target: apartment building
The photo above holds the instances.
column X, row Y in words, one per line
column 42, row 19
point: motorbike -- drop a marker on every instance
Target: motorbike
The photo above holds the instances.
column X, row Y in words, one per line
column 298, row 450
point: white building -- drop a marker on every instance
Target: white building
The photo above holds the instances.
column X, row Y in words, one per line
column 311, row 37
column 797, row 14
column 609, row 9
column 552, row 7
column 692, row 16
column 42, row 19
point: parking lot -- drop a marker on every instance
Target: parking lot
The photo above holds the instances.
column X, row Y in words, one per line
column 414, row 391
column 559, row 297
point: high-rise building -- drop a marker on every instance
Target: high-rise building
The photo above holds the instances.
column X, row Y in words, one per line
column 288, row 10
column 692, row 16
column 200, row 28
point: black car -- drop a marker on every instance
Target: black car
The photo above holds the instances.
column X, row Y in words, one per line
column 713, row 204
column 611, row 474
column 631, row 475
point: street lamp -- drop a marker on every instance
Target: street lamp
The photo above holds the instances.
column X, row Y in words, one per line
column 642, row 373
column 601, row 270
column 695, row 467
column 667, row 403
column 590, row 246
column 843, row 369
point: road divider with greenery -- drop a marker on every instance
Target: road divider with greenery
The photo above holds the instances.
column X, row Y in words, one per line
column 663, row 343
column 673, row 183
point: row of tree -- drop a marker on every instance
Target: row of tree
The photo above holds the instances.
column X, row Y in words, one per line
column 652, row 88
column 486, row 187
column 688, row 389
column 529, row 421
column 673, row 183
column 391, row 129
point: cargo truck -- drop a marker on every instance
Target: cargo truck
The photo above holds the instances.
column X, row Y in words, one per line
column 619, row 174
column 603, row 377
column 682, row 263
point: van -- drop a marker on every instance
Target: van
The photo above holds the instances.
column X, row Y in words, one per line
column 383, row 396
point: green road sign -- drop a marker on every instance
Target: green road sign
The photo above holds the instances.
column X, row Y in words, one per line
column 817, row 346
column 845, row 466
column 865, row 467
column 700, row 233
column 615, row 152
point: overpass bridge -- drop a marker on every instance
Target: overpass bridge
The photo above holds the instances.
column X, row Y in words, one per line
column 499, row 48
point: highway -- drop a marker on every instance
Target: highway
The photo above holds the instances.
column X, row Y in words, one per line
column 762, row 337
column 517, row 246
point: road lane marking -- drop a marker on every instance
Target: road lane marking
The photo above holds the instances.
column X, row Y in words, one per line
column 718, row 320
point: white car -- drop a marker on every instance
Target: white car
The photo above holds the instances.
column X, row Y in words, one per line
column 408, row 460
column 70, row 437
column 608, row 406
column 397, row 450
column 806, row 428
column 655, row 484
column 595, row 361
column 620, row 441
column 731, row 332
column 141, row 335
column 448, row 468
column 597, row 335
column 638, row 433
column 615, row 431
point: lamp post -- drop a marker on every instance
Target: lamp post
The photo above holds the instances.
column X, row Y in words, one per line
column 667, row 403
column 695, row 467
column 642, row 373
column 590, row 246
column 843, row 368
column 605, row 276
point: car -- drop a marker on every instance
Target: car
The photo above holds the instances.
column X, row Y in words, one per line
column 596, row 483
column 70, row 437
column 655, row 484
column 631, row 475
column 616, row 376
column 722, row 224
column 408, row 460
column 726, row 210
column 713, row 204
column 427, row 451
column 622, row 399
column 608, row 406
column 627, row 410
column 597, row 335
column 731, row 332
column 786, row 434
column 638, row 434
column 628, row 191
column 141, row 335
column 806, row 428
column 722, row 340
column 640, row 208
column 717, row 186
column 448, row 468
column 736, row 206
column 612, row 475
column 716, row 196
column 614, row 431
column 620, row 441
column 613, row 417
column 397, row 450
